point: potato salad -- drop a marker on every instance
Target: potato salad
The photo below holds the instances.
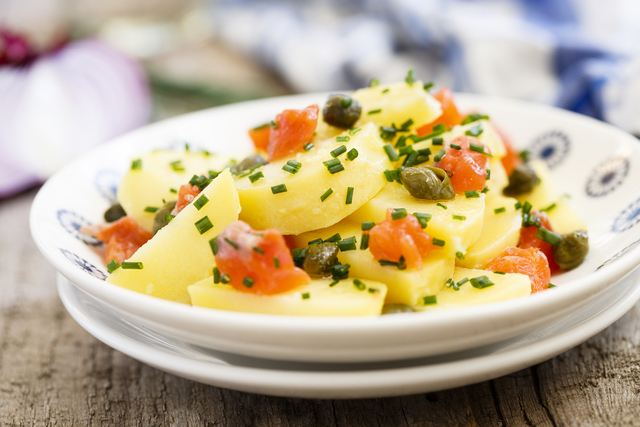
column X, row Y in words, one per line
column 386, row 200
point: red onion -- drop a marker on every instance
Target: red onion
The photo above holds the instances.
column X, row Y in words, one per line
column 57, row 105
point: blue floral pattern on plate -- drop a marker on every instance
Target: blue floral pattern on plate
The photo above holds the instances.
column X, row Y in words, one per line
column 552, row 147
column 627, row 218
column 607, row 177
column 84, row 264
column 72, row 222
column 619, row 254
column 106, row 182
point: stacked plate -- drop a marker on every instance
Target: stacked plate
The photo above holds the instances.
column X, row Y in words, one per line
column 345, row 357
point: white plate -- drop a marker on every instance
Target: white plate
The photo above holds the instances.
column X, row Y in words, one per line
column 594, row 162
column 335, row 381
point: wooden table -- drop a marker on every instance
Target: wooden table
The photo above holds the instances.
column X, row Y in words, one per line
column 53, row 373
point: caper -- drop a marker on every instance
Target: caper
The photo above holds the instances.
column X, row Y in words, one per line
column 320, row 258
column 341, row 111
column 159, row 220
column 249, row 163
column 396, row 309
column 114, row 213
column 571, row 250
column 521, row 181
column 428, row 183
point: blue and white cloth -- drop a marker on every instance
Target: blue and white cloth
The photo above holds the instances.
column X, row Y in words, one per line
column 582, row 55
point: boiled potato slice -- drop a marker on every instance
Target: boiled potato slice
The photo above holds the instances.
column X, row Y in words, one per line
column 317, row 298
column 489, row 136
column 458, row 235
column 300, row 208
column 153, row 182
column 562, row 217
column 499, row 231
column 506, row 286
column 178, row 255
column 397, row 103
column 498, row 178
column 405, row 286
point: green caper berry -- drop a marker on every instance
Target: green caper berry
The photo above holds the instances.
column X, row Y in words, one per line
column 320, row 258
column 428, row 183
column 114, row 213
column 340, row 113
column 249, row 163
column 571, row 250
column 159, row 220
column 396, row 309
column 521, row 181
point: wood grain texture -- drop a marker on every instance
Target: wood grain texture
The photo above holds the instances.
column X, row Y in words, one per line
column 53, row 373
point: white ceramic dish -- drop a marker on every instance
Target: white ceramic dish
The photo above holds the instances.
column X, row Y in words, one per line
column 331, row 381
column 593, row 162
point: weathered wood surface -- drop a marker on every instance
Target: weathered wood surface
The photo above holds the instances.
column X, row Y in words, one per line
column 53, row 373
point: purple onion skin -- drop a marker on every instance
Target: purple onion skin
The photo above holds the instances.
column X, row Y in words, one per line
column 61, row 104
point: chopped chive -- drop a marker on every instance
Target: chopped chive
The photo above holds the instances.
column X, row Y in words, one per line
column 488, row 174
column 342, row 139
column 456, row 287
column 294, row 163
column 502, row 273
column 392, row 175
column 548, row 236
column 481, row 282
column 273, row 124
column 186, row 147
column 256, row 176
column 455, row 146
column 548, row 208
column 308, row 146
column 518, row 205
column 440, row 155
column 112, row 266
column 216, row 275
column 333, row 239
column 348, row 244
column 385, row 263
column 399, row 213
column 442, row 206
column 391, row 153
column 474, row 131
column 474, row 117
column 131, row 265
column 460, row 256
column 423, row 218
column 201, row 201
column 551, row 285
column 526, row 208
column 136, row 164
column 374, row 82
column 364, row 242
column 349, row 199
column 525, row 155
column 340, row 272
column 429, row 300
column 173, row 190
column 262, row 126
column 213, row 243
column 203, row 225
column 316, row 241
column 326, row 194
column 330, row 163
column 402, row 141
column 471, row 194
column 333, row 283
column 459, row 217
column 298, row 255
column 379, row 110
column 257, row 249
column 411, row 77
column 386, row 90
column 449, row 283
column 151, row 209
column 427, row 86
column 410, row 160
column 276, row 262
column 248, row 281
column 499, row 210
column 306, row 295
column 168, row 218
column 367, row 225
column 373, row 290
column 289, row 168
column 346, row 101
column 341, row 149
column 485, row 190
column 213, row 175
column 225, row 278
column 406, row 124
column 281, row 188
column 352, row 154
column 479, row 149
column 231, row 243
column 353, row 131
column 437, row 141
column 359, row 285
column 336, row 169
column 438, row 242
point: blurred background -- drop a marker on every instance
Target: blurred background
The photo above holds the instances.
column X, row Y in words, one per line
column 75, row 73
